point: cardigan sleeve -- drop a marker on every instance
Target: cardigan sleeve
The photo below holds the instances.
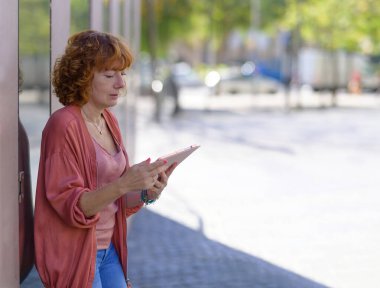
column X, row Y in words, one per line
column 64, row 185
column 133, row 210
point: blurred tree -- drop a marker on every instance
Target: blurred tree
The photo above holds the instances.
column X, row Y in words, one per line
column 172, row 20
column 195, row 22
column 226, row 16
column 351, row 25
column 80, row 16
column 272, row 12
column 366, row 18
column 34, row 24
column 34, row 28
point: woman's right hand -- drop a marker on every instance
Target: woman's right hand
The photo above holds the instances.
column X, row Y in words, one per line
column 141, row 176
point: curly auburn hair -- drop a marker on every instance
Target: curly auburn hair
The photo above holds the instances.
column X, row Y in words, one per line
column 87, row 52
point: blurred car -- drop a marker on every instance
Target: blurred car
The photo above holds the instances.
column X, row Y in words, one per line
column 248, row 85
column 181, row 75
column 185, row 76
column 244, row 79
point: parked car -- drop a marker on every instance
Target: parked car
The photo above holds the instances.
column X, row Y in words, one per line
column 185, row 76
column 181, row 73
column 256, row 84
column 244, row 79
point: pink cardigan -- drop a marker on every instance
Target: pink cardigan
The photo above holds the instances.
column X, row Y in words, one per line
column 65, row 240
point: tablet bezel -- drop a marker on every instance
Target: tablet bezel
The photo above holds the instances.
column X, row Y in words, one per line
column 179, row 155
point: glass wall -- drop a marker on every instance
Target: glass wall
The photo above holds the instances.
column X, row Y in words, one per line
column 9, row 274
column 44, row 27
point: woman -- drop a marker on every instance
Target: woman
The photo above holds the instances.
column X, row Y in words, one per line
column 85, row 186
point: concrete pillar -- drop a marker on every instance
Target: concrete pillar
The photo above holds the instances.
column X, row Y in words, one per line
column 114, row 16
column 136, row 26
column 9, row 250
column 132, row 35
column 127, row 16
column 59, row 33
column 96, row 15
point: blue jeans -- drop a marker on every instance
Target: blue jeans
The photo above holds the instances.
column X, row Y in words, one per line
column 108, row 273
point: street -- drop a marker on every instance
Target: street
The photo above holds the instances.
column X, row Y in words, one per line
column 272, row 198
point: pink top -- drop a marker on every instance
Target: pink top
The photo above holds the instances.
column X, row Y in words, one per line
column 110, row 167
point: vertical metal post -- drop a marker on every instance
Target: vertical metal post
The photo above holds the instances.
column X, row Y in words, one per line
column 136, row 26
column 114, row 17
column 59, row 33
column 9, row 250
column 132, row 34
column 127, row 21
column 96, row 15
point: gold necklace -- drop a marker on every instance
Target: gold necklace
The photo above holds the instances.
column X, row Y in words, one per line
column 99, row 126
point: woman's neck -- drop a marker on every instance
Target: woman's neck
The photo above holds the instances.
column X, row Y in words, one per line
column 92, row 113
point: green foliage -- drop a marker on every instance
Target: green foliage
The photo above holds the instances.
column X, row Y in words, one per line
column 34, row 27
column 272, row 11
column 80, row 16
column 172, row 21
column 351, row 25
column 34, row 24
column 194, row 22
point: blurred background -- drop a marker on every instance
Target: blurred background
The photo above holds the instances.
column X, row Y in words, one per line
column 321, row 45
column 282, row 96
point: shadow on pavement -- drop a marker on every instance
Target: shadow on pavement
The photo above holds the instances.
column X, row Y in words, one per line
column 164, row 253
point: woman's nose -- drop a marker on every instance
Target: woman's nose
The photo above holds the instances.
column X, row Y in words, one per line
column 120, row 81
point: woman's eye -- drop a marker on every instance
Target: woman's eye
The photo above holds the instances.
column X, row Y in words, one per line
column 110, row 75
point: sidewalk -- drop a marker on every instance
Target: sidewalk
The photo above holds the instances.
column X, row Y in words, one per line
column 273, row 199
column 298, row 189
column 165, row 254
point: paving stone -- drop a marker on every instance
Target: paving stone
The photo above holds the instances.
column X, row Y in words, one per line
column 164, row 253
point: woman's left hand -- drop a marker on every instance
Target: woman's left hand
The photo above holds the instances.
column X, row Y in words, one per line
column 160, row 183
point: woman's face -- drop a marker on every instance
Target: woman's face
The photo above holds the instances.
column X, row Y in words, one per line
column 106, row 88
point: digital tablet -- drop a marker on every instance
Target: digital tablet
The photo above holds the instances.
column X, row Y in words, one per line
column 179, row 155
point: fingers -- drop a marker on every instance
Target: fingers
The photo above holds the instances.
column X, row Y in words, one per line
column 143, row 163
column 158, row 165
column 153, row 169
column 145, row 175
column 170, row 170
column 160, row 184
column 164, row 176
column 160, row 181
